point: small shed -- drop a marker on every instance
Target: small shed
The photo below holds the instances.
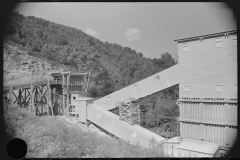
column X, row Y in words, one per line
column 81, row 108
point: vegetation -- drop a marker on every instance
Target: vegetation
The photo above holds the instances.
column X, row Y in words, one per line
column 112, row 66
column 61, row 140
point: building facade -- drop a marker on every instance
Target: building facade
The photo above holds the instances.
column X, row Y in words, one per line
column 208, row 88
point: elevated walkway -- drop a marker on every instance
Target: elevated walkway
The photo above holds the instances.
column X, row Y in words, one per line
column 25, row 85
column 111, row 123
column 143, row 88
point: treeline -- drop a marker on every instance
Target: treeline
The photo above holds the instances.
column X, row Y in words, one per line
column 112, row 66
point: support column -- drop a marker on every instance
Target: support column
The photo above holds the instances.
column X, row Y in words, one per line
column 32, row 97
column 41, row 100
column 51, row 100
column 11, row 101
column 86, row 121
column 24, row 100
column 48, row 97
column 19, row 97
column 36, row 98
column 63, row 108
column 47, row 101
column 54, row 100
column 67, row 104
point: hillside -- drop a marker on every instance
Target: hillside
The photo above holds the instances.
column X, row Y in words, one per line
column 35, row 47
column 64, row 138
column 113, row 66
column 21, row 67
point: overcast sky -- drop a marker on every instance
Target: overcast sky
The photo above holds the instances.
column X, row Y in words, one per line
column 150, row 28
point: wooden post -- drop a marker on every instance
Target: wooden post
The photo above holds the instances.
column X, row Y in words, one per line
column 49, row 97
column 35, row 98
column 63, row 92
column 41, row 99
column 51, row 100
column 31, row 97
column 85, row 82
column 19, row 97
column 24, row 101
column 67, row 104
column 11, row 101
column 48, row 100
column 88, row 82
column 86, row 122
column 54, row 100
column 67, row 92
column 63, row 108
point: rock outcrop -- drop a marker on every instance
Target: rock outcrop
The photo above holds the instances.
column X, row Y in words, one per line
column 20, row 67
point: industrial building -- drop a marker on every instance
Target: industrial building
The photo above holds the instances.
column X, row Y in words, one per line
column 207, row 71
column 207, row 76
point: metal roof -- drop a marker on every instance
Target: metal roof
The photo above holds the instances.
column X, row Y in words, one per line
column 199, row 146
column 206, row 36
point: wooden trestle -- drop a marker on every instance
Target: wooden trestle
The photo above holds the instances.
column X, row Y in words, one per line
column 129, row 111
column 46, row 97
column 33, row 96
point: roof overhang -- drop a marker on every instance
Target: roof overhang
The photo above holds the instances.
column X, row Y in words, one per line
column 206, row 36
column 199, row 146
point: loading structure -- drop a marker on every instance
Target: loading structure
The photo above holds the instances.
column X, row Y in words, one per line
column 69, row 85
column 207, row 78
column 54, row 96
column 207, row 70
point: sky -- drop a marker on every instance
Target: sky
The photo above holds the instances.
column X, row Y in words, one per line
column 149, row 28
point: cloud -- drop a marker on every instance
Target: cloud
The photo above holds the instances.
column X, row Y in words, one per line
column 91, row 32
column 132, row 34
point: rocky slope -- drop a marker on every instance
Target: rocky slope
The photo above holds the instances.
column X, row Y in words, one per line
column 20, row 67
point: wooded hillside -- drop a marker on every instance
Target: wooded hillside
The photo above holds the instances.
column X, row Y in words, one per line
column 112, row 66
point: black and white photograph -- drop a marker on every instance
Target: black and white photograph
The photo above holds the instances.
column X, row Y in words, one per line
column 120, row 80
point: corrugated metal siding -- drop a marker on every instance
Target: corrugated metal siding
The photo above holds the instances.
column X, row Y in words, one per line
column 211, row 122
column 223, row 135
column 213, row 112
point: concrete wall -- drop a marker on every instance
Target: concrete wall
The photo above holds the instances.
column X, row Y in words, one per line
column 204, row 66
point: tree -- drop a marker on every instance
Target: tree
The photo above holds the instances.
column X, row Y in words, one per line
column 113, row 66
column 165, row 61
